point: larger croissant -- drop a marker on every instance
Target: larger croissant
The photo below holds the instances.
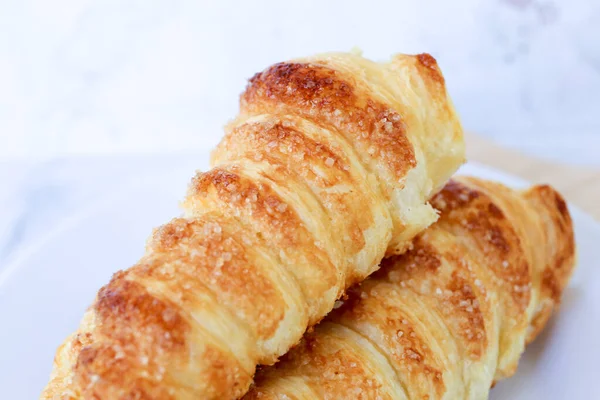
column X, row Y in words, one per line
column 327, row 168
column 447, row 319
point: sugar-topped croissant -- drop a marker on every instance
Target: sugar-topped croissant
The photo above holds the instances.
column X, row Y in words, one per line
column 450, row 317
column 327, row 168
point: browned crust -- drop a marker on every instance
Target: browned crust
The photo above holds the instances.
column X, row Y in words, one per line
column 254, row 260
column 212, row 258
column 330, row 371
column 470, row 213
column 322, row 95
column 141, row 349
column 299, row 158
column 272, row 223
column 452, row 289
column 253, row 202
column 431, row 67
column 453, row 274
column 558, row 269
column 126, row 312
column 404, row 344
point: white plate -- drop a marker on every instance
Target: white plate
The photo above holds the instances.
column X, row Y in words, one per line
column 45, row 290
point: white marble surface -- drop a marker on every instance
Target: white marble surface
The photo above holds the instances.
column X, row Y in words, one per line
column 82, row 77
column 105, row 76
column 41, row 196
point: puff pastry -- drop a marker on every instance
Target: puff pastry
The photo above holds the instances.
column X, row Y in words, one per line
column 328, row 167
column 448, row 318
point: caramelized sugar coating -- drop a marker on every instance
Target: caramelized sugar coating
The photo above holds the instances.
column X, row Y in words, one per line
column 450, row 317
column 327, row 168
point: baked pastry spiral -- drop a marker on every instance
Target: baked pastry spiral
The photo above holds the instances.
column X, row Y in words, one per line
column 327, row 168
column 450, row 317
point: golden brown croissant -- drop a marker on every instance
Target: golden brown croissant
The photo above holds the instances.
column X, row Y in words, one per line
column 328, row 166
column 448, row 318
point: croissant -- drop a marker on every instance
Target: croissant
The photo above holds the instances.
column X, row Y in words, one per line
column 450, row 317
column 327, row 168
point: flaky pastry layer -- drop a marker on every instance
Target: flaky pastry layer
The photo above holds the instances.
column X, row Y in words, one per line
column 327, row 168
column 450, row 317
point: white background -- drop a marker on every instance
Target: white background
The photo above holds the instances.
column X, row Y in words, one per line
column 154, row 76
column 95, row 94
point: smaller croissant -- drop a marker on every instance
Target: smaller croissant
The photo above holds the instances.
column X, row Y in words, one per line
column 449, row 318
